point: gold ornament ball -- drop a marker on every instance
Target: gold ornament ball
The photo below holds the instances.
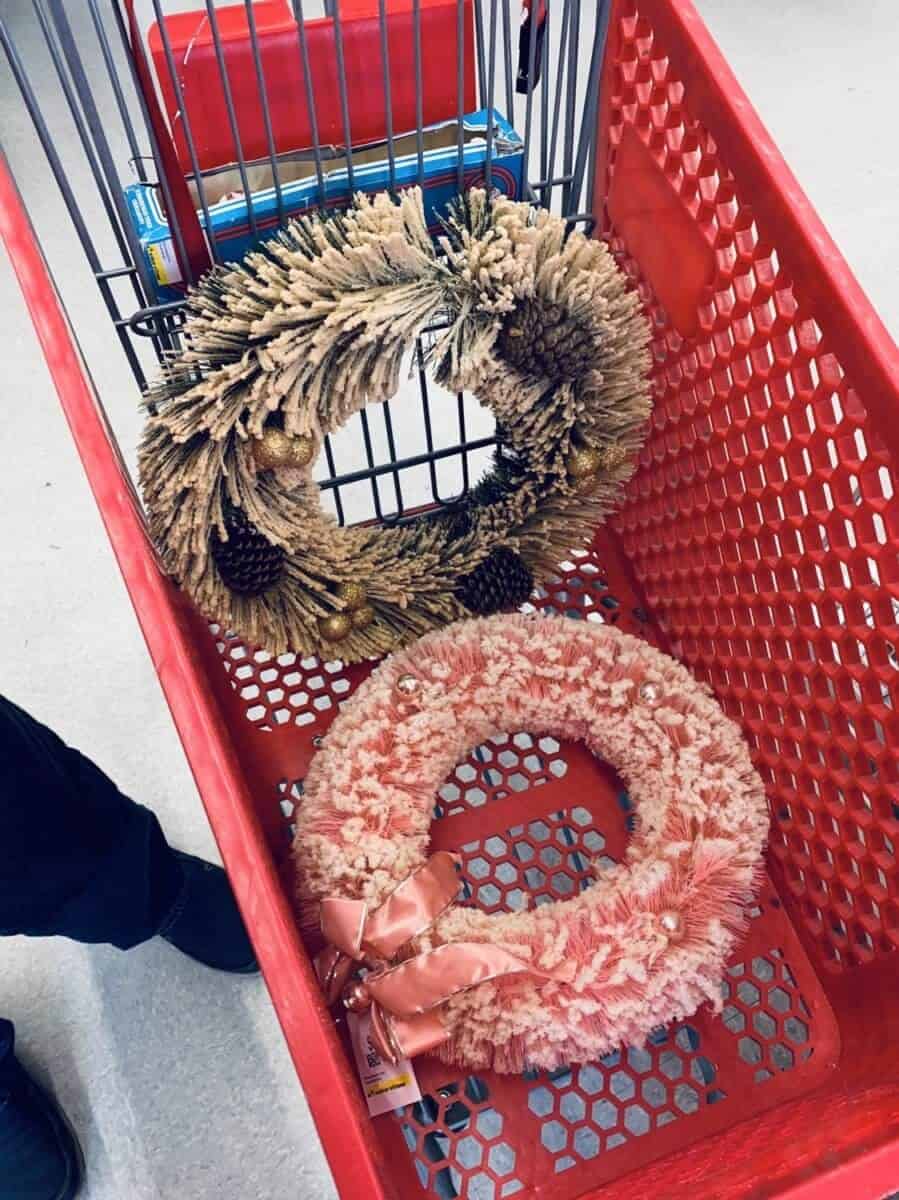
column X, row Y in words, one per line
column 612, row 457
column 335, row 628
column 352, row 594
column 276, row 449
column 583, row 462
column 362, row 617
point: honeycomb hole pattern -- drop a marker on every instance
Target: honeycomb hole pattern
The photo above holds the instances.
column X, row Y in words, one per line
column 290, row 793
column 586, row 1110
column 281, row 690
column 763, row 524
column 768, row 1016
column 456, row 1138
column 549, row 858
column 504, row 764
column 581, row 589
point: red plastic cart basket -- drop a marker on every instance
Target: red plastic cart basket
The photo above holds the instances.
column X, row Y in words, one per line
column 759, row 544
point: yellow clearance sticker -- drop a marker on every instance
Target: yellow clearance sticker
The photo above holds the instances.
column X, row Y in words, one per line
column 164, row 262
column 387, row 1085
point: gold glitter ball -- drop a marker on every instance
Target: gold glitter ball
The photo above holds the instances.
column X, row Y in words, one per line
column 583, row 462
column 611, row 457
column 587, row 483
column 352, row 594
column 362, row 617
column 408, row 685
column 649, row 692
column 335, row 628
column 672, row 924
column 275, row 449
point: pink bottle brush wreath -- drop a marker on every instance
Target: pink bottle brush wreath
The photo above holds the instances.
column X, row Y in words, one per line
column 572, row 979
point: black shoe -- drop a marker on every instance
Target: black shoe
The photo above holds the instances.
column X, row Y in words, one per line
column 205, row 923
column 40, row 1158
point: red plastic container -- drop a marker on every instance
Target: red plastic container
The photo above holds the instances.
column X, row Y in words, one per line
column 758, row 543
column 193, row 50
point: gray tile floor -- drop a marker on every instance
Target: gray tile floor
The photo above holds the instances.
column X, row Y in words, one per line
column 177, row 1079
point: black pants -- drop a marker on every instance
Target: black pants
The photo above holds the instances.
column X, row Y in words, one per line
column 77, row 858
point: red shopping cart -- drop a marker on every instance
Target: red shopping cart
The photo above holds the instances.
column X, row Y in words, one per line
column 758, row 543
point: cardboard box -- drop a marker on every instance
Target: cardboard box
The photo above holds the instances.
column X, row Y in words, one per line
column 300, row 189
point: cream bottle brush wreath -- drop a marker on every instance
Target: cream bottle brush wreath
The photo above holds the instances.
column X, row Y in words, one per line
column 283, row 348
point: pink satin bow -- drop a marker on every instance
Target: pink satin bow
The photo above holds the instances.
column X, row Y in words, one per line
column 407, row 1000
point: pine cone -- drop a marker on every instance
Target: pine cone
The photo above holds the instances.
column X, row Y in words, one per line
column 248, row 562
column 546, row 340
column 502, row 581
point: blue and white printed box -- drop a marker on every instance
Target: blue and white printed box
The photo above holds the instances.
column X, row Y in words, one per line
column 300, row 189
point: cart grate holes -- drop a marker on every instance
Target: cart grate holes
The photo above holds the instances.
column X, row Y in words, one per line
column 584, row 1111
column 763, row 523
column 459, row 1144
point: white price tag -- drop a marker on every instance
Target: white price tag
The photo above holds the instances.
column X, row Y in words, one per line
column 386, row 1085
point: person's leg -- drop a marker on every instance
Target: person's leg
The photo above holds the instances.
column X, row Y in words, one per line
column 39, row 1154
column 77, row 858
column 81, row 860
column 7, row 1045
